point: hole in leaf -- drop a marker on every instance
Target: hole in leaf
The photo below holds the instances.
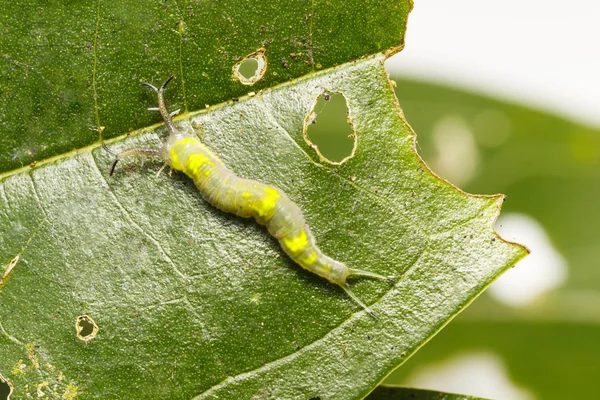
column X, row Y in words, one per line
column 251, row 68
column 5, row 388
column 86, row 328
column 248, row 68
column 315, row 398
column 329, row 130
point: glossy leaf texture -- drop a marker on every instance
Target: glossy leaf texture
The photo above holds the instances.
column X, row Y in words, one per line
column 191, row 301
column 188, row 302
column 70, row 72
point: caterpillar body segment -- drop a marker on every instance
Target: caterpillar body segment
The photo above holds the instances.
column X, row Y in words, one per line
column 248, row 198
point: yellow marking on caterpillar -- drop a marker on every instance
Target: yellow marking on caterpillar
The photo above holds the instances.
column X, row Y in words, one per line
column 187, row 141
column 310, row 259
column 175, row 160
column 327, row 268
column 196, row 161
column 177, row 148
column 245, row 198
column 267, row 203
column 298, row 243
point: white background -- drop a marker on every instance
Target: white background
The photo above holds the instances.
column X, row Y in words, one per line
column 544, row 53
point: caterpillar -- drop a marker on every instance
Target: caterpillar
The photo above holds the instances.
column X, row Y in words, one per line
column 246, row 198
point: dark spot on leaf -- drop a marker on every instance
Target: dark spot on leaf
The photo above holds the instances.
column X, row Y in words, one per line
column 251, row 68
column 86, row 328
column 5, row 389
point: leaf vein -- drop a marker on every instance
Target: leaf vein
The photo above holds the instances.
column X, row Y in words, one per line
column 180, row 30
column 38, row 199
column 95, row 72
column 310, row 36
column 127, row 215
column 377, row 197
column 10, row 337
column 290, row 357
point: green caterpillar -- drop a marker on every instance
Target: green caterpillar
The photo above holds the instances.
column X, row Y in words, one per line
column 246, row 198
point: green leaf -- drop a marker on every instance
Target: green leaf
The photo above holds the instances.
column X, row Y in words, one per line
column 388, row 392
column 191, row 302
column 70, row 73
column 526, row 154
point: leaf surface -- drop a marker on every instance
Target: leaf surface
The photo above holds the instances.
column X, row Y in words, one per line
column 388, row 392
column 194, row 303
column 70, row 72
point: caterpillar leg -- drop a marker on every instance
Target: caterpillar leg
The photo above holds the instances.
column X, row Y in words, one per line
column 161, row 170
column 136, row 151
column 358, row 301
